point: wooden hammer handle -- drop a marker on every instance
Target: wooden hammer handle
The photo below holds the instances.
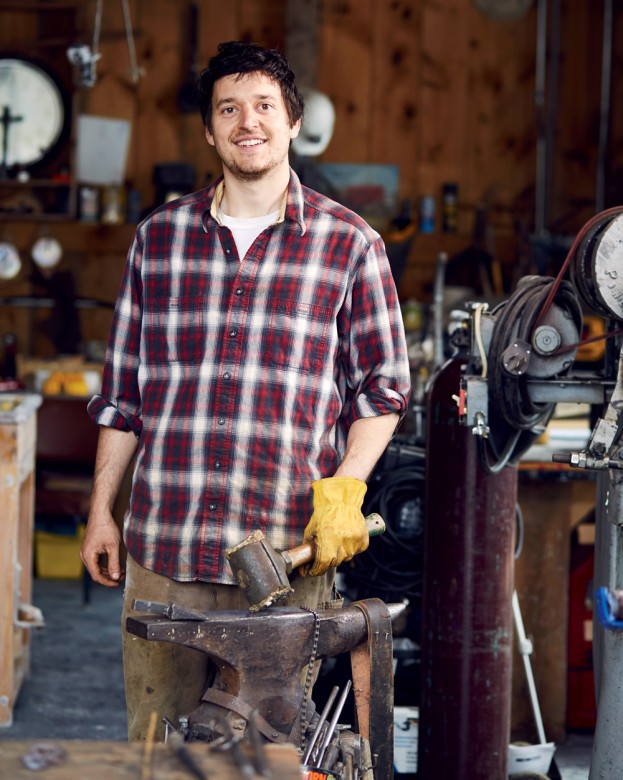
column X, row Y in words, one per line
column 306, row 552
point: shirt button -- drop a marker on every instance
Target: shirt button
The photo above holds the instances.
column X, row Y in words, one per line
column 217, row 465
column 227, row 375
column 228, row 251
column 239, row 291
column 221, row 421
column 212, row 507
column 233, row 332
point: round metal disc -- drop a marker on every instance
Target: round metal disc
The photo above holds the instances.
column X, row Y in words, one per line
column 608, row 268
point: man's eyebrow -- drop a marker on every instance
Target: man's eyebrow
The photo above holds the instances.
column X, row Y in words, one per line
column 226, row 100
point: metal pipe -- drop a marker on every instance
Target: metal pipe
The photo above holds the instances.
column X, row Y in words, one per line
column 323, row 717
column 336, row 714
column 604, row 107
column 540, row 216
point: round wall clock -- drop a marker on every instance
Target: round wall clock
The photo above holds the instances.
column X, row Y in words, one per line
column 34, row 114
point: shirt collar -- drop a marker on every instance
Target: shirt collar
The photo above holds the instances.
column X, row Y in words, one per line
column 291, row 209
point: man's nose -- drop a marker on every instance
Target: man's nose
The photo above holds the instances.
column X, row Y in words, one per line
column 248, row 117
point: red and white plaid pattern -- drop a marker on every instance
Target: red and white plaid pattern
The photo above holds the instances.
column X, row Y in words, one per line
column 241, row 379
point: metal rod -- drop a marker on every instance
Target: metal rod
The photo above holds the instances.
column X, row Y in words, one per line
column 135, row 71
column 525, row 648
column 323, row 717
column 336, row 714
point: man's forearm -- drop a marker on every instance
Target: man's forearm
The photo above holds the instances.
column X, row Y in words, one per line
column 115, row 450
column 367, row 439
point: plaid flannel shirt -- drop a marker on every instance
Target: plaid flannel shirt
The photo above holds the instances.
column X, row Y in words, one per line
column 241, row 379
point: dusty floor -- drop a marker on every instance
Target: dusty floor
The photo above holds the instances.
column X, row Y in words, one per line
column 75, row 689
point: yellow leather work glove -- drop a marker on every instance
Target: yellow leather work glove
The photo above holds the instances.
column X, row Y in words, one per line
column 337, row 525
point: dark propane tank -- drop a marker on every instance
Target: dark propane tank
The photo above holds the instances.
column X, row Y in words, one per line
column 467, row 630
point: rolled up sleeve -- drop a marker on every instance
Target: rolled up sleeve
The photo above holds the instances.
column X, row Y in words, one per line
column 118, row 405
column 375, row 351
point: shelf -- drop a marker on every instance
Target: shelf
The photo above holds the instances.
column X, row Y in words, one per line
column 37, row 200
column 75, row 236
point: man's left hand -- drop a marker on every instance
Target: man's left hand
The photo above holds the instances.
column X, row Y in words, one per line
column 337, row 526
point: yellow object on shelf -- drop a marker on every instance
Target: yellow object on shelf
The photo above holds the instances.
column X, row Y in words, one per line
column 67, row 383
column 57, row 556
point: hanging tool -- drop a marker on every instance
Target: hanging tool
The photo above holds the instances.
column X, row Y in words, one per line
column 85, row 57
column 262, row 572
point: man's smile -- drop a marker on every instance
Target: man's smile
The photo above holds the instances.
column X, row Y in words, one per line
column 246, row 142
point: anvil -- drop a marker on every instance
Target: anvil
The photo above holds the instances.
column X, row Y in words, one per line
column 259, row 657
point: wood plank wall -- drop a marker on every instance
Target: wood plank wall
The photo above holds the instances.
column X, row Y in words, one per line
column 433, row 86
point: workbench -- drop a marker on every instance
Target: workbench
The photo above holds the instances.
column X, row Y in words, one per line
column 18, row 434
column 104, row 760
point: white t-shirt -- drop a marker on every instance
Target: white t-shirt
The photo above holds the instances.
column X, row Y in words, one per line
column 245, row 231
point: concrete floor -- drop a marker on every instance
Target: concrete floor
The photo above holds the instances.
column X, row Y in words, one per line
column 75, row 689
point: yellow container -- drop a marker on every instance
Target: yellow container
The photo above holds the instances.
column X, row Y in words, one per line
column 57, row 556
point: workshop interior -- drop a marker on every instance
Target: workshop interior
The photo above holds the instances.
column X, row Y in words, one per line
column 482, row 629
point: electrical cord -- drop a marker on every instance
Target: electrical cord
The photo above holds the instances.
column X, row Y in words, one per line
column 392, row 565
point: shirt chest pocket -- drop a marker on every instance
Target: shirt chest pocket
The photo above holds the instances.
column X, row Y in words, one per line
column 297, row 337
column 175, row 330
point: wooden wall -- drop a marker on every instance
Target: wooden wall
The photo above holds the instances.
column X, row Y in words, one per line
column 433, row 86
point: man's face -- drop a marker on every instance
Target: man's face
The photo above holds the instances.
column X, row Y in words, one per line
column 251, row 129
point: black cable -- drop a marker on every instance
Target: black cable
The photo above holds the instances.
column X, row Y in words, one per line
column 392, row 564
column 503, row 460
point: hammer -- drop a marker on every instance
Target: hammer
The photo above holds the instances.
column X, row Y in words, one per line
column 262, row 572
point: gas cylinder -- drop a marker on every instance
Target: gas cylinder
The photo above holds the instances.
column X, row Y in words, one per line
column 467, row 631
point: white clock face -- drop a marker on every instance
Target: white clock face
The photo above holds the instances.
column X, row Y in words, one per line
column 46, row 252
column 31, row 110
column 10, row 264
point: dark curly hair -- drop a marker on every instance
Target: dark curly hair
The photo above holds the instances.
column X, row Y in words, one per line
column 236, row 57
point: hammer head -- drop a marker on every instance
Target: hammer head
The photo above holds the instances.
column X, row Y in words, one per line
column 260, row 571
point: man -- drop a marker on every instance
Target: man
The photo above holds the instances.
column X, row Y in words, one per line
column 257, row 368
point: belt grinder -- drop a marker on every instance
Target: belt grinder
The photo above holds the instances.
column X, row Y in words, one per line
column 262, row 572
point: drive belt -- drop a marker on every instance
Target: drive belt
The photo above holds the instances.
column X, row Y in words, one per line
column 373, row 686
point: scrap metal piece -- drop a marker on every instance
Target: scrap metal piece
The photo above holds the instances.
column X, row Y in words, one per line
column 43, row 755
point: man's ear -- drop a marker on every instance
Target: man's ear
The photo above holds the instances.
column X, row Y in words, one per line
column 295, row 129
column 209, row 137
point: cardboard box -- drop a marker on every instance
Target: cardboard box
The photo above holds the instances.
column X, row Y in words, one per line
column 57, row 556
column 406, row 722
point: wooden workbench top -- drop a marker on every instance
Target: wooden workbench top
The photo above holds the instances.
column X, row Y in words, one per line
column 104, row 760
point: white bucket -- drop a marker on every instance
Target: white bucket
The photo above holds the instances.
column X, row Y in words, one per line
column 530, row 758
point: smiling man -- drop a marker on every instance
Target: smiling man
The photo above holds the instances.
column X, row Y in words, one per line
column 256, row 367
